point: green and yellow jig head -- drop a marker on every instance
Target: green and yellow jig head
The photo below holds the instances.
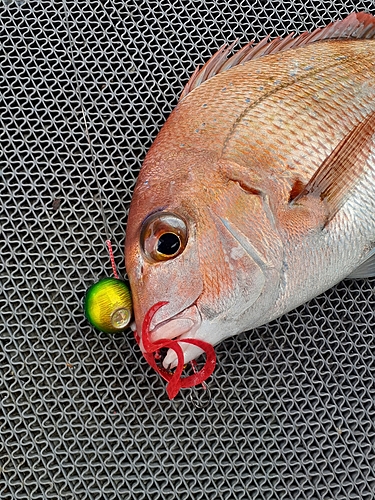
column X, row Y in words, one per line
column 108, row 305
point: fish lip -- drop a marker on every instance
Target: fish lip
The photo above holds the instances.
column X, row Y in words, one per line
column 186, row 321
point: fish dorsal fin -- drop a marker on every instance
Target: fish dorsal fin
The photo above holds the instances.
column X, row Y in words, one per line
column 355, row 26
column 341, row 170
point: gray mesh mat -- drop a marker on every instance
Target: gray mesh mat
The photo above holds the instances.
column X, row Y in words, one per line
column 292, row 408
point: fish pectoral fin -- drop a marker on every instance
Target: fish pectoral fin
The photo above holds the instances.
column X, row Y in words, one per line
column 366, row 269
column 342, row 169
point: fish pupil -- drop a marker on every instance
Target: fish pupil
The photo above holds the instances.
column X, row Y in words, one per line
column 168, row 244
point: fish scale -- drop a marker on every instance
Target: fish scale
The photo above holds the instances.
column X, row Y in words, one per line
column 273, row 177
column 313, row 122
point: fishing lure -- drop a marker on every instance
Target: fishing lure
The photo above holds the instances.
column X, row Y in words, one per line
column 108, row 303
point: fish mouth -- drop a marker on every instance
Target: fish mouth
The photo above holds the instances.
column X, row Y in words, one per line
column 183, row 325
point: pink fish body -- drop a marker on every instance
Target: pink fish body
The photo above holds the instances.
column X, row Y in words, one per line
column 259, row 191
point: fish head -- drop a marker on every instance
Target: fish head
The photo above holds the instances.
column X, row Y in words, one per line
column 198, row 241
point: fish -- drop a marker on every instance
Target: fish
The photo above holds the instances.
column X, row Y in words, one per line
column 258, row 192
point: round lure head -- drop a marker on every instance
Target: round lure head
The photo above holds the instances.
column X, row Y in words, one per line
column 108, row 305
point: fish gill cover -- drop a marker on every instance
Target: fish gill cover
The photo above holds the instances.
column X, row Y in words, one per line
column 291, row 407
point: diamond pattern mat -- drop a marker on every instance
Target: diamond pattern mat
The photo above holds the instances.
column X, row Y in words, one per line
column 290, row 411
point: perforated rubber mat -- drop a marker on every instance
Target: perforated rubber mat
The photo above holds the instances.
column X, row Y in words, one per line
column 291, row 408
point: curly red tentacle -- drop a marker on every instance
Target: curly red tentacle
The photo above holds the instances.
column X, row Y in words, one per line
column 175, row 379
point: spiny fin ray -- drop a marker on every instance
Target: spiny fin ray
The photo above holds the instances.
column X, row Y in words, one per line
column 355, row 26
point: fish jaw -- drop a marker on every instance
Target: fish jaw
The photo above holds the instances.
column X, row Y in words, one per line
column 209, row 331
column 185, row 323
column 190, row 353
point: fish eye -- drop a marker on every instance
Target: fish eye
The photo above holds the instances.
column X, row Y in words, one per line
column 168, row 244
column 163, row 236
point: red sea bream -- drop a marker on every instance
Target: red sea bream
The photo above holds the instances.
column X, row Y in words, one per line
column 259, row 191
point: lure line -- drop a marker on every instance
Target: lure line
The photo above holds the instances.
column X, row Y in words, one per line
column 71, row 47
